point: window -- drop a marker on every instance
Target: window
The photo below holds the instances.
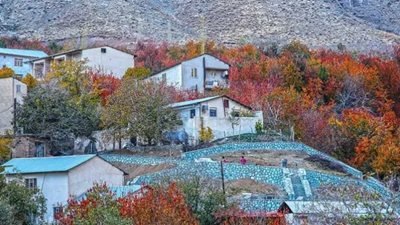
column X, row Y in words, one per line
column 164, row 77
column 103, row 50
column 194, row 72
column 57, row 210
column 192, row 113
column 18, row 62
column 31, row 183
column 226, row 103
column 213, row 112
column 18, row 87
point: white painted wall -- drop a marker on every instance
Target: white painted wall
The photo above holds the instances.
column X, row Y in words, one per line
column 173, row 75
column 93, row 171
column 9, row 61
column 54, row 187
column 7, row 93
column 112, row 62
column 181, row 75
column 220, row 125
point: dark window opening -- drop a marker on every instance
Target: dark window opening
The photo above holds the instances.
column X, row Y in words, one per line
column 103, row 50
column 226, row 103
column 31, row 183
column 57, row 211
column 213, row 112
column 192, row 113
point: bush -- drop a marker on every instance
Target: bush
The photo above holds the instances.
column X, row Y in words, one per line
column 6, row 72
column 259, row 127
column 205, row 135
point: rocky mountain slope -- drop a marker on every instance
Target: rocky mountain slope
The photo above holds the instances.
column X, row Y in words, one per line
column 358, row 24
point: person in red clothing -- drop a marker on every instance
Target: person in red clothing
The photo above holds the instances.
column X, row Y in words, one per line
column 243, row 161
column 224, row 160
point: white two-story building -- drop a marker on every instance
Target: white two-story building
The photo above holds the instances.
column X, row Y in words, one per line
column 105, row 60
column 60, row 178
column 224, row 115
column 17, row 59
column 10, row 89
column 201, row 73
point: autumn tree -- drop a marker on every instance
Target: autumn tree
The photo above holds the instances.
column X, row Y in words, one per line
column 138, row 72
column 153, row 205
column 141, row 109
column 6, row 72
column 30, row 81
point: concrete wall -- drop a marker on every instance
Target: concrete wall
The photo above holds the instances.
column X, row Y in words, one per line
column 112, row 62
column 7, row 94
column 173, row 75
column 221, row 125
column 24, row 147
column 54, row 187
column 9, row 61
column 93, row 171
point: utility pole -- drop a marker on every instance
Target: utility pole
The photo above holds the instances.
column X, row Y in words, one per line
column 14, row 106
column 222, row 177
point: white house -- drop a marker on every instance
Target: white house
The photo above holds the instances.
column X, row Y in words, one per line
column 59, row 178
column 224, row 115
column 17, row 59
column 10, row 89
column 201, row 73
column 106, row 60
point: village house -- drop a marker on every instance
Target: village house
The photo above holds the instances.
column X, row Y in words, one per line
column 105, row 60
column 10, row 89
column 224, row 115
column 27, row 146
column 60, row 178
column 17, row 59
column 325, row 212
column 201, row 73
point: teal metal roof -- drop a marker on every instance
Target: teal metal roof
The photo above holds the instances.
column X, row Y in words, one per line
column 44, row 164
column 23, row 52
column 192, row 102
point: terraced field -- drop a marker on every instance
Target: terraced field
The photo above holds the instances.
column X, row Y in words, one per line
column 261, row 183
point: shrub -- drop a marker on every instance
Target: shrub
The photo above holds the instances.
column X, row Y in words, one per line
column 6, row 72
column 205, row 134
column 259, row 127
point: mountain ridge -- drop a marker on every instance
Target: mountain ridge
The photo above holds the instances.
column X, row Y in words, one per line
column 358, row 24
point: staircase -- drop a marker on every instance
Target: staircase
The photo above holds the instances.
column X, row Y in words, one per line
column 298, row 188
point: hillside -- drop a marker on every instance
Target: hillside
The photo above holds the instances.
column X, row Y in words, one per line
column 359, row 24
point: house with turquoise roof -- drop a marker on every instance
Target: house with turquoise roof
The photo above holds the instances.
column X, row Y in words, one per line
column 60, row 178
column 17, row 59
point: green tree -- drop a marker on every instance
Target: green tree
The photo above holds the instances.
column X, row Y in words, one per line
column 19, row 204
column 49, row 112
column 141, row 108
column 203, row 198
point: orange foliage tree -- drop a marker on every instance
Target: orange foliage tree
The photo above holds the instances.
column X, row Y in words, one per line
column 151, row 206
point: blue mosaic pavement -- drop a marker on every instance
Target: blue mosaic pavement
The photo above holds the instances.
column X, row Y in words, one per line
column 269, row 175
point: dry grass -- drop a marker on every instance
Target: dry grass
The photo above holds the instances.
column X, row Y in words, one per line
column 274, row 158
